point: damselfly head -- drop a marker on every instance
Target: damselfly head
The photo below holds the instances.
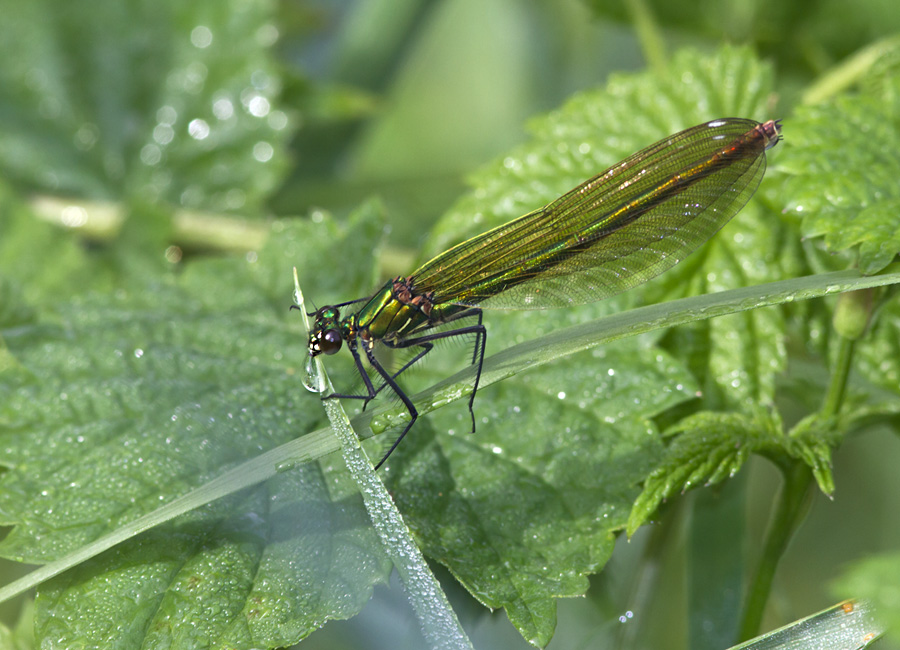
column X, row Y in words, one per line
column 771, row 132
column 327, row 341
column 325, row 336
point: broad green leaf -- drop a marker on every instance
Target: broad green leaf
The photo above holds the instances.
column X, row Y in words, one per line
column 264, row 570
column 843, row 174
column 133, row 399
column 162, row 100
column 522, row 511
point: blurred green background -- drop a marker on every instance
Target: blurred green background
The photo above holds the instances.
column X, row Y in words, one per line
column 125, row 121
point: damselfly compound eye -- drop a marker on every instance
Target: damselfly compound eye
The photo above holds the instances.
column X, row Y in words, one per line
column 330, row 341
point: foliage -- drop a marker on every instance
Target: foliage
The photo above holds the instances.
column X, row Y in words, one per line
column 137, row 366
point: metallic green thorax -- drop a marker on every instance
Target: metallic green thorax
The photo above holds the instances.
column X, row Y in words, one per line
column 392, row 313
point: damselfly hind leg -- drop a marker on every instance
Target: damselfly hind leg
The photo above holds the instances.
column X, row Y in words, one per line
column 480, row 332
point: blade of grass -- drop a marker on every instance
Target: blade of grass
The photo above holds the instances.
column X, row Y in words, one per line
column 851, row 625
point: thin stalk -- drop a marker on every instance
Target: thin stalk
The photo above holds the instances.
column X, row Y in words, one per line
column 101, row 221
column 793, row 503
column 837, row 385
column 647, row 29
column 794, row 498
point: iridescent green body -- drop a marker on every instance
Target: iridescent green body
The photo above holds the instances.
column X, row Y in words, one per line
column 616, row 230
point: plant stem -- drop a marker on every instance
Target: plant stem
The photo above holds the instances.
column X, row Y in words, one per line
column 837, row 385
column 648, row 33
column 101, row 221
column 794, row 498
column 793, row 504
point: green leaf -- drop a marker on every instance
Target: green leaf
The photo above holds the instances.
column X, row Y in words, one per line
column 20, row 637
column 851, row 625
column 41, row 262
column 133, row 399
column 709, row 448
column 852, row 199
column 263, row 570
column 164, row 100
column 525, row 509
column 878, row 358
column 811, row 441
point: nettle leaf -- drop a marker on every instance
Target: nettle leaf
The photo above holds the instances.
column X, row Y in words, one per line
column 844, row 172
column 264, row 570
column 522, row 511
column 172, row 100
column 811, row 441
column 131, row 400
column 710, row 447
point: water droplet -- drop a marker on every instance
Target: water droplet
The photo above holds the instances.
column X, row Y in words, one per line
column 198, row 129
column 263, row 151
column 201, row 37
column 223, row 108
column 259, row 106
column 163, row 133
column 311, row 379
column 278, row 120
column 74, row 216
column 151, row 154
